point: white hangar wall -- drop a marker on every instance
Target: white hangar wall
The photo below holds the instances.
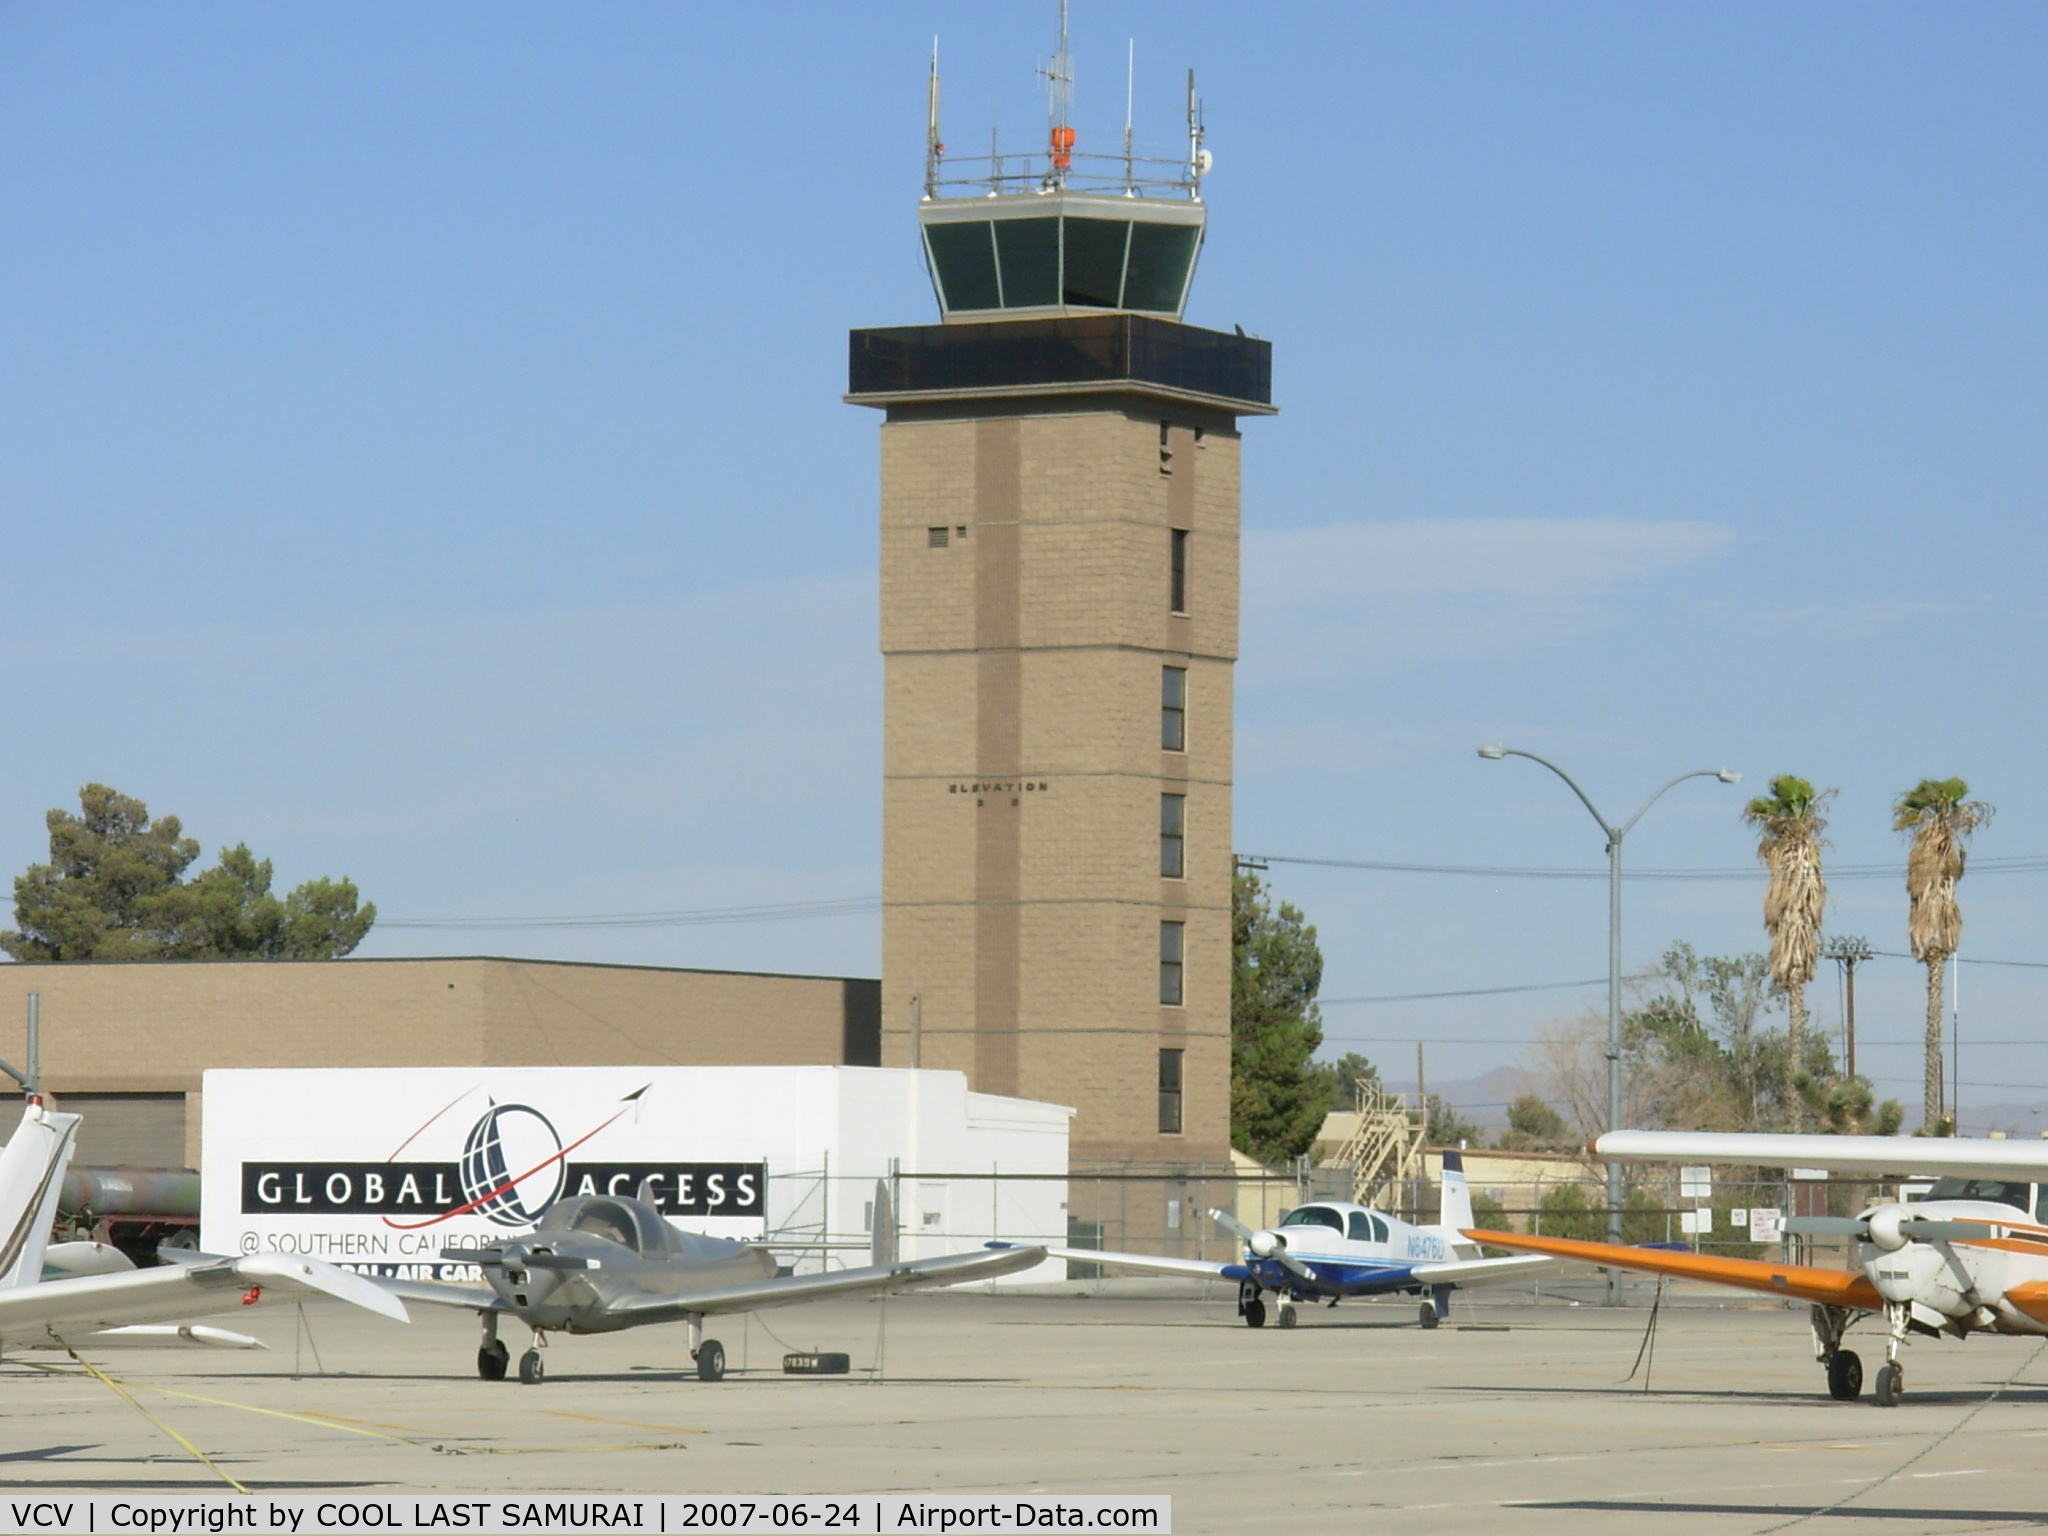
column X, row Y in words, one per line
column 384, row 1168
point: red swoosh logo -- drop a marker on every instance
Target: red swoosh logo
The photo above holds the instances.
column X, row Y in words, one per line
column 491, row 1194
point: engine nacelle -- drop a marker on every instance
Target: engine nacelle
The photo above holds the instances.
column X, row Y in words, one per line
column 1266, row 1244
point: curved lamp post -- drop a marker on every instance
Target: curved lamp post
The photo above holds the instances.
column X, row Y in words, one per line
column 1614, row 836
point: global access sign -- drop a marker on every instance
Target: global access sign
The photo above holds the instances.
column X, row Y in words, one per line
column 508, row 1149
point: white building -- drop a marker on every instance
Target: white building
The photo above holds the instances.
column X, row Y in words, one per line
column 384, row 1168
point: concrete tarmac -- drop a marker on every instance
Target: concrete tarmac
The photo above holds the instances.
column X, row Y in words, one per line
column 1509, row 1417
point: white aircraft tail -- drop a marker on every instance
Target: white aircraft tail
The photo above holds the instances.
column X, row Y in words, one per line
column 1456, row 1205
column 882, row 1245
column 31, row 1177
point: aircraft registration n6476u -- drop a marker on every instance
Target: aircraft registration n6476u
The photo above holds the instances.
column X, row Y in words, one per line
column 1326, row 1250
column 1971, row 1257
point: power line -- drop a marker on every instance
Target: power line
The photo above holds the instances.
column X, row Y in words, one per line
column 2017, row 865
column 1416, row 997
column 851, row 906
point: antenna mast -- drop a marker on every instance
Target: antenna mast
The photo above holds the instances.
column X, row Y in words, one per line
column 1059, row 79
column 934, row 151
column 1198, row 157
column 1130, row 94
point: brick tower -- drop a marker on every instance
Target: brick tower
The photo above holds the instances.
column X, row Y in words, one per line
column 1059, row 599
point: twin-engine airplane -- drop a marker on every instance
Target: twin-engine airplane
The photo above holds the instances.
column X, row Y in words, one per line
column 601, row 1263
column 1970, row 1257
column 124, row 1305
column 1327, row 1250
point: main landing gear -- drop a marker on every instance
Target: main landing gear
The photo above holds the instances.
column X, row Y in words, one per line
column 492, row 1357
column 1844, row 1366
column 708, row 1353
column 1249, row 1305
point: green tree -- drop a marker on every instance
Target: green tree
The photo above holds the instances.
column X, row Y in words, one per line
column 1940, row 818
column 114, row 890
column 1344, row 1075
column 1566, row 1211
column 1789, row 825
column 1278, row 1096
column 1445, row 1127
column 1533, row 1126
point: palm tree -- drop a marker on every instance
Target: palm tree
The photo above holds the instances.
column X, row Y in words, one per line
column 1941, row 821
column 1790, row 824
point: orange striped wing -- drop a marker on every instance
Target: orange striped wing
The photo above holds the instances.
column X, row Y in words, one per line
column 1835, row 1287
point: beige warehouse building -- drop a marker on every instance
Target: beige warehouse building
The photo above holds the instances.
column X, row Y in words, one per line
column 126, row 1043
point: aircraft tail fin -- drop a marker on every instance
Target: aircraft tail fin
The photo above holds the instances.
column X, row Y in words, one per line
column 882, row 1250
column 1457, row 1194
column 31, row 1177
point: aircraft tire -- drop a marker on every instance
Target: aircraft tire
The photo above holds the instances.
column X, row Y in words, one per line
column 492, row 1360
column 1255, row 1314
column 1891, row 1386
column 1845, row 1376
column 531, row 1368
column 1287, row 1317
column 1427, row 1317
column 711, row 1361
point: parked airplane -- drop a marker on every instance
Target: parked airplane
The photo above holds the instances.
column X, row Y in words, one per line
column 1972, row 1256
column 1329, row 1249
column 600, row 1263
column 98, row 1308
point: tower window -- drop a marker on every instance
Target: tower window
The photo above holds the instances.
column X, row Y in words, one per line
column 936, row 538
column 1173, row 811
column 1172, row 943
column 1169, row 1095
column 1177, row 558
column 1165, row 450
column 1173, row 709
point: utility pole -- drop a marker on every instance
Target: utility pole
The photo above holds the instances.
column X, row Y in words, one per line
column 31, row 1078
column 1848, row 953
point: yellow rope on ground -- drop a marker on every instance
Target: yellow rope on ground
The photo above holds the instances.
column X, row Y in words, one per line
column 122, row 1392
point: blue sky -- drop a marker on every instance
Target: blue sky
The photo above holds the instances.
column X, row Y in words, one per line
column 421, row 455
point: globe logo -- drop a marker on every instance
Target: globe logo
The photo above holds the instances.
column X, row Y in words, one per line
column 511, row 1166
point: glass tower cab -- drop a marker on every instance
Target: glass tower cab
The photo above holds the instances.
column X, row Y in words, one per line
column 1061, row 232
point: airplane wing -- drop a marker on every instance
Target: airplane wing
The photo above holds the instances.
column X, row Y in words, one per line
column 1835, row 1287
column 443, row 1293
column 1151, row 1263
column 1465, row 1273
column 787, row 1290
column 69, row 1308
column 1961, row 1156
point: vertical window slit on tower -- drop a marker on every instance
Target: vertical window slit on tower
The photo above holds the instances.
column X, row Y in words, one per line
column 1165, row 451
column 1177, row 560
column 1173, row 709
column 1173, row 836
column 1172, row 940
column 1169, row 1092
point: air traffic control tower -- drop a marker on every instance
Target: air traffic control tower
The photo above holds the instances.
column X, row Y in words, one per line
column 1059, row 622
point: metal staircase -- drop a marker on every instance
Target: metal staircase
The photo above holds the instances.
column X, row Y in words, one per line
column 1385, row 1153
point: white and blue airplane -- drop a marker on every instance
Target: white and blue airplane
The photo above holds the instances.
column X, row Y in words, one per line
column 1327, row 1250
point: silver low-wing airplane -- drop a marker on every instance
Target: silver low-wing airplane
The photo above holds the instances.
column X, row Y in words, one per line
column 602, row 1263
column 1327, row 1250
column 122, row 1305
column 1970, row 1257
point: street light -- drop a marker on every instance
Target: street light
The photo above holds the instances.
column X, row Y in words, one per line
column 1495, row 753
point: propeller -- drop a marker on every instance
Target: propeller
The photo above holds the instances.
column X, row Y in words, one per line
column 1889, row 1227
column 1264, row 1245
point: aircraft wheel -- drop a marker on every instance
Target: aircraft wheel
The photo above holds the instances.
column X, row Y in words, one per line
column 1845, row 1376
column 711, row 1361
column 1891, row 1385
column 1427, row 1317
column 492, row 1360
column 531, row 1369
column 1255, row 1314
column 1287, row 1318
